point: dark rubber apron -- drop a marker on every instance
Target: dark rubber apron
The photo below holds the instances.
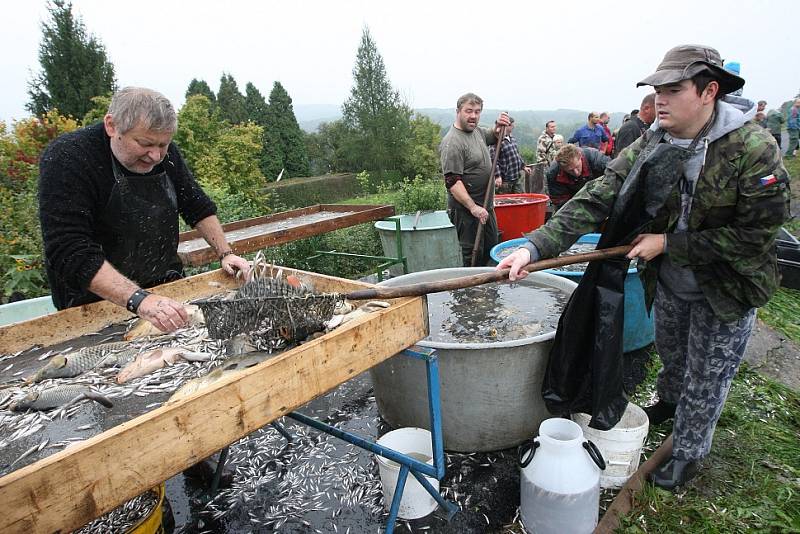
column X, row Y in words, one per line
column 140, row 225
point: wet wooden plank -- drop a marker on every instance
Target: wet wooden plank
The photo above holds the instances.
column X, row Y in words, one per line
column 71, row 487
column 254, row 234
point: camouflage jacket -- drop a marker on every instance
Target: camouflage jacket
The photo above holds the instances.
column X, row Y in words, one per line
column 546, row 149
column 738, row 206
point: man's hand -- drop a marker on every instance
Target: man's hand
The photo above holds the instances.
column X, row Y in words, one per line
column 515, row 262
column 232, row 263
column 527, row 169
column 502, row 120
column 648, row 246
column 164, row 313
column 479, row 213
column 498, row 181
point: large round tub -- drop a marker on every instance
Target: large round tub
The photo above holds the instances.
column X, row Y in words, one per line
column 491, row 393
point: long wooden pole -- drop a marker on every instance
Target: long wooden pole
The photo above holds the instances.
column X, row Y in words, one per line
column 416, row 290
column 489, row 190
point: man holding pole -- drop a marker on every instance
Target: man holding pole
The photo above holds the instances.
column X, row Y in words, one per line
column 468, row 175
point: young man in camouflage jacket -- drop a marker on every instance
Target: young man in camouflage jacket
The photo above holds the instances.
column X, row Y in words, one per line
column 709, row 254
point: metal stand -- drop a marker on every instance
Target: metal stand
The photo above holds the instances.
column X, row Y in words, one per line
column 385, row 261
column 407, row 463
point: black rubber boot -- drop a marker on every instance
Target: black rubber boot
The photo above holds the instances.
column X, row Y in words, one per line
column 660, row 412
column 673, row 473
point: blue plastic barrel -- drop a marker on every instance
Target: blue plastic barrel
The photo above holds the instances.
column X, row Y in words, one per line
column 638, row 328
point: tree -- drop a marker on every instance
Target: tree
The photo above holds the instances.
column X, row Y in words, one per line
column 200, row 87
column 375, row 112
column 74, row 66
column 231, row 101
column 423, row 155
column 98, row 111
column 255, row 105
column 284, row 131
column 199, row 127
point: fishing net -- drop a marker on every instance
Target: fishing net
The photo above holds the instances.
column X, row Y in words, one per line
column 270, row 311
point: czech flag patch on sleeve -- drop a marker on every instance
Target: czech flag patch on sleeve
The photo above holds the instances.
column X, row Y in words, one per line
column 768, row 180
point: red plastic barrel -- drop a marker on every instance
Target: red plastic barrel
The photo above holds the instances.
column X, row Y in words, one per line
column 521, row 213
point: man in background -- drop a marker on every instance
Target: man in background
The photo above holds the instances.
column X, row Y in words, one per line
column 546, row 144
column 591, row 135
column 793, row 125
column 775, row 121
column 466, row 167
column 572, row 169
column 606, row 148
column 637, row 125
column 510, row 164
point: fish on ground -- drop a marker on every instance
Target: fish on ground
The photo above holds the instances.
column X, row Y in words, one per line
column 142, row 328
column 75, row 363
column 58, row 397
column 231, row 365
column 148, row 362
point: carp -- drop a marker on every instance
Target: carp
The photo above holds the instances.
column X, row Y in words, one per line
column 72, row 364
column 151, row 361
column 231, row 365
column 142, row 328
column 57, row 397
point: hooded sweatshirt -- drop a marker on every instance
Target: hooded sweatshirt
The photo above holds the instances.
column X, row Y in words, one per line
column 732, row 112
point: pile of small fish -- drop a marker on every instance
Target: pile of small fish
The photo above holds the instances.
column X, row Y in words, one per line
column 279, row 486
column 151, row 363
column 123, row 518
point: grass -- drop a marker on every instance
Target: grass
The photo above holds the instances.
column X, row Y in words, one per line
column 782, row 313
column 751, row 480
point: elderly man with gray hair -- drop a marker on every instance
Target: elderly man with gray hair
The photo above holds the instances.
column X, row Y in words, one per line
column 109, row 199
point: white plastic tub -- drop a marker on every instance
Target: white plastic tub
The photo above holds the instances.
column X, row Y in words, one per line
column 621, row 446
column 416, row 501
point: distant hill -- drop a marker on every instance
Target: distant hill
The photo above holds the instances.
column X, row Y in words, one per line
column 310, row 116
column 528, row 123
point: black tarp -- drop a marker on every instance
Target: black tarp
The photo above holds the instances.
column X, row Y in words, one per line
column 584, row 372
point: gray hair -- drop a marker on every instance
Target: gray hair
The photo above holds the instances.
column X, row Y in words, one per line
column 132, row 106
column 469, row 98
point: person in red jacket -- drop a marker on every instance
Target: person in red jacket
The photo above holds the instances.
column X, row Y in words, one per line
column 606, row 148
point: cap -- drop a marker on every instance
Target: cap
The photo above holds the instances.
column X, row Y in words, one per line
column 685, row 61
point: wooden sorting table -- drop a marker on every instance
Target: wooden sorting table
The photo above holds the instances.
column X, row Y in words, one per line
column 71, row 487
column 254, row 234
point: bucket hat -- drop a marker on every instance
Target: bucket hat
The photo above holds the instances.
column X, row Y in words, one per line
column 685, row 61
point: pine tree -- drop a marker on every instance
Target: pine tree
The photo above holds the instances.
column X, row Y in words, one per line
column 285, row 131
column 376, row 112
column 231, row 101
column 200, row 87
column 255, row 105
column 74, row 66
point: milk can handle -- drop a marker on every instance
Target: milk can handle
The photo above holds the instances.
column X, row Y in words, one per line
column 594, row 454
column 528, row 446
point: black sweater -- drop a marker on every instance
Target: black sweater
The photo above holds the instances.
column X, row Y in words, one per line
column 75, row 182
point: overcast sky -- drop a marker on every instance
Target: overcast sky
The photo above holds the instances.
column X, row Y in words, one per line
column 516, row 55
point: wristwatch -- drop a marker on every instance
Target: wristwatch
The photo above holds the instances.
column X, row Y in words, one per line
column 226, row 253
column 136, row 299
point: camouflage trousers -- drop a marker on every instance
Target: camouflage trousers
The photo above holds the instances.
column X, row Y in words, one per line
column 701, row 355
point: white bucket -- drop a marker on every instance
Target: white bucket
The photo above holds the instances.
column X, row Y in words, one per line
column 416, row 501
column 621, row 446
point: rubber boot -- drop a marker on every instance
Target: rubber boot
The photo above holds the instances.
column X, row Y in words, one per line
column 673, row 473
column 660, row 412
